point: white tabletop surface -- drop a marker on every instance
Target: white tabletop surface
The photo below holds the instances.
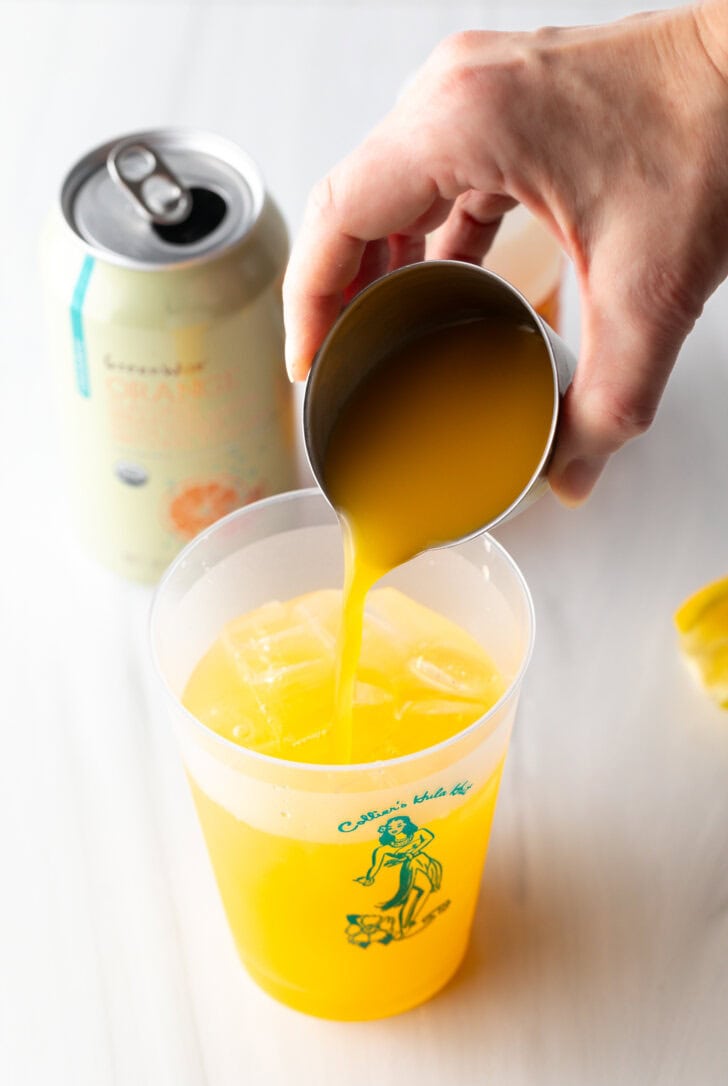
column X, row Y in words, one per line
column 600, row 947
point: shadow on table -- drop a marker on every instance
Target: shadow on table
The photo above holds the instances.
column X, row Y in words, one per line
column 561, row 960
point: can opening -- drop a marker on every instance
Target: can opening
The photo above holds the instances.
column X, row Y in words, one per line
column 208, row 211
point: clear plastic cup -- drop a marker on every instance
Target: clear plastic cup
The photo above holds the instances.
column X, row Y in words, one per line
column 350, row 890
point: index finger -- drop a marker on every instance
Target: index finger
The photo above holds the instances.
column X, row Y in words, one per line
column 378, row 190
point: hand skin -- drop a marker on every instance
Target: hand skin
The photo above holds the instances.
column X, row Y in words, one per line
column 615, row 137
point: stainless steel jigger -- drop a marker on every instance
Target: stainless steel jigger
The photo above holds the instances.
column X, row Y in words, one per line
column 408, row 303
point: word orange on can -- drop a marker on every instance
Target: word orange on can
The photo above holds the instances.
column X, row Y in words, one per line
column 163, row 263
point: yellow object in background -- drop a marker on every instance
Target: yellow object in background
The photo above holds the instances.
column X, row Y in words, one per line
column 702, row 623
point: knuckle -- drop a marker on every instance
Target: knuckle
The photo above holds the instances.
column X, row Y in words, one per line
column 474, row 65
column 457, row 48
column 616, row 418
column 322, row 198
column 673, row 296
column 496, row 65
column 631, row 419
column 545, row 35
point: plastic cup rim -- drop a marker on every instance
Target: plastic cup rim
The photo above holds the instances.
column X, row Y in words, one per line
column 319, row 768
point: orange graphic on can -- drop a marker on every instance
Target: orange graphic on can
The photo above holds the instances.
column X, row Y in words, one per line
column 196, row 505
column 167, row 325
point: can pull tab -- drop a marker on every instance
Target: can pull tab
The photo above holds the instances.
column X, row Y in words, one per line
column 146, row 179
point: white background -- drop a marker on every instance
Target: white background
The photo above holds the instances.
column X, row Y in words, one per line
column 600, row 950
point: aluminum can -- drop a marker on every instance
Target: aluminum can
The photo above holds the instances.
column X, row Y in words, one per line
column 407, row 303
column 163, row 262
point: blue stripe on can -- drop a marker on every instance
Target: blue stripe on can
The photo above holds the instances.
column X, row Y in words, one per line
column 80, row 359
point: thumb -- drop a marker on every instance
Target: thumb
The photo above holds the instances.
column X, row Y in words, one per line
column 626, row 357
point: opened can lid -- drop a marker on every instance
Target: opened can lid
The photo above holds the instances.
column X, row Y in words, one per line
column 163, row 197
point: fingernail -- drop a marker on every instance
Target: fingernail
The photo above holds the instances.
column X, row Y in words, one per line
column 290, row 357
column 575, row 483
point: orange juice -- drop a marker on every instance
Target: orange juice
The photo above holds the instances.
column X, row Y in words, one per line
column 440, row 439
column 268, row 682
column 316, row 930
column 299, row 907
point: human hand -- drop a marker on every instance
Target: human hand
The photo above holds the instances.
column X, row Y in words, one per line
column 364, row 880
column 615, row 137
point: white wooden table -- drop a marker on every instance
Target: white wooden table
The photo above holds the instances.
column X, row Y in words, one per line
column 600, row 949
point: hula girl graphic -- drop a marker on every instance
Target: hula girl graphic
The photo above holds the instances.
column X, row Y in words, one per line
column 402, row 844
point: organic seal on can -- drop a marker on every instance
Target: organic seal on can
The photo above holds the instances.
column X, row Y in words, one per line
column 163, row 268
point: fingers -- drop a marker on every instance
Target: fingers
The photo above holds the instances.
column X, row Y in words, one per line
column 625, row 361
column 469, row 229
column 374, row 262
column 405, row 249
column 385, row 255
column 323, row 262
column 330, row 263
column 374, row 194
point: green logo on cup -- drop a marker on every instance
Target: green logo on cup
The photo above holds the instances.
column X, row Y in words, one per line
column 403, row 845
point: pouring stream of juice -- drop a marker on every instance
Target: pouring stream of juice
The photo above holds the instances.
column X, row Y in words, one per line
column 437, row 442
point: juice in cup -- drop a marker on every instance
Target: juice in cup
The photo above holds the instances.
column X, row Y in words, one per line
column 349, row 886
column 345, row 747
column 269, row 682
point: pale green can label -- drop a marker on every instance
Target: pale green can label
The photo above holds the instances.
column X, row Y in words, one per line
column 176, row 409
